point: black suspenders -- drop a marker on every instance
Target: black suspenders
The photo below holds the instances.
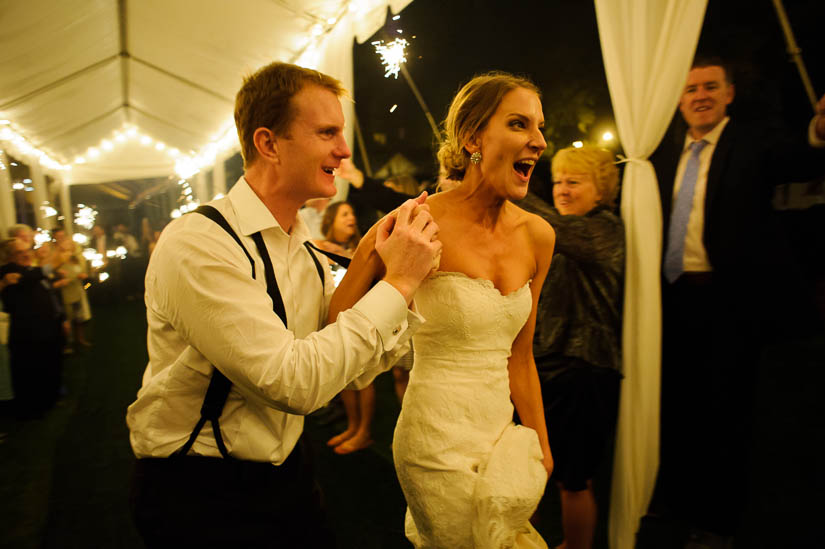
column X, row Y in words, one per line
column 219, row 385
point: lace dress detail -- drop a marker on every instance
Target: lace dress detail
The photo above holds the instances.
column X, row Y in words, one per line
column 471, row 477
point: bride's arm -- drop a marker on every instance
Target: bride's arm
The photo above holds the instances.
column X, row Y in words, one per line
column 525, row 389
column 366, row 267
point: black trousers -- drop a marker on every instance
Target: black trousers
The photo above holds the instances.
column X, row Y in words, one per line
column 211, row 502
column 709, row 363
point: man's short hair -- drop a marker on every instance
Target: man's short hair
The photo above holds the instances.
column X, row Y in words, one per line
column 264, row 101
column 703, row 61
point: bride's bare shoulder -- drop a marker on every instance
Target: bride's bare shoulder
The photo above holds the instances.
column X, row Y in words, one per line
column 541, row 232
column 439, row 204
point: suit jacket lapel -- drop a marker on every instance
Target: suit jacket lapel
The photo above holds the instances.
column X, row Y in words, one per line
column 671, row 155
column 716, row 172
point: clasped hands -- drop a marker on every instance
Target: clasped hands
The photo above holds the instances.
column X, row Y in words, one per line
column 406, row 241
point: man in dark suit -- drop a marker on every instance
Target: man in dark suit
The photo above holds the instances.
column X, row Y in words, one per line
column 721, row 253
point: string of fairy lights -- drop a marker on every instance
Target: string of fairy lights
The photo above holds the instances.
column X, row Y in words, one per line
column 186, row 163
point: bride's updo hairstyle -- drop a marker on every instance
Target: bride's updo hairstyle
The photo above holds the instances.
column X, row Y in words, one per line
column 469, row 113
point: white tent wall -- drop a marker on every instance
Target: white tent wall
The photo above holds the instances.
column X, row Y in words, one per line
column 7, row 218
column 647, row 46
column 76, row 71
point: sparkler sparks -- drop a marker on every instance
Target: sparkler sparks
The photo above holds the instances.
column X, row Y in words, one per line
column 392, row 55
column 85, row 216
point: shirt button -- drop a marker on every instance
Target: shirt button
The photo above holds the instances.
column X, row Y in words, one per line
column 396, row 330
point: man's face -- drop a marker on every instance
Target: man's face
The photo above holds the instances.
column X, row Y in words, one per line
column 705, row 100
column 314, row 145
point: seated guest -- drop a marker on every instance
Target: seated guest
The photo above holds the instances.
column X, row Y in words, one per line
column 577, row 346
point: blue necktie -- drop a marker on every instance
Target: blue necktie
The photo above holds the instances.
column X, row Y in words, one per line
column 674, row 256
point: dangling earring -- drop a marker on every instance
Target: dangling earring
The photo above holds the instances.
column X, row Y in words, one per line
column 475, row 158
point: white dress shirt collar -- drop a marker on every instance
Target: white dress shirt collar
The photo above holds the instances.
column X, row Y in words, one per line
column 712, row 137
column 254, row 216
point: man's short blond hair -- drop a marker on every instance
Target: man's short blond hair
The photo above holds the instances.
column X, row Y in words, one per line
column 264, row 101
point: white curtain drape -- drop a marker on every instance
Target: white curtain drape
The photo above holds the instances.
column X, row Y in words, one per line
column 647, row 46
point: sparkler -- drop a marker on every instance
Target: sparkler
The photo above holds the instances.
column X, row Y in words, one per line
column 41, row 236
column 85, row 216
column 392, row 55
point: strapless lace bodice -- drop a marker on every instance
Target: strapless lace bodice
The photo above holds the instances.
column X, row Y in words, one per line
column 469, row 315
column 470, row 476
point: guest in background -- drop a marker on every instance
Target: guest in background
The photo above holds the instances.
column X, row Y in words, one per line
column 371, row 198
column 22, row 232
column 35, row 332
column 99, row 240
column 123, row 237
column 147, row 236
column 72, row 251
column 73, row 294
column 577, row 344
column 340, row 228
column 132, row 266
column 729, row 285
column 312, row 214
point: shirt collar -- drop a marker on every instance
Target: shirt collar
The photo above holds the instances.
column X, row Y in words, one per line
column 254, row 216
column 712, row 137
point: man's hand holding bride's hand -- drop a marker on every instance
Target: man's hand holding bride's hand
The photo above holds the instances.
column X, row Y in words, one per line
column 407, row 242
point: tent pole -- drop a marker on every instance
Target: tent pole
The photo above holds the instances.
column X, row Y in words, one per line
column 421, row 102
column 795, row 51
column 361, row 146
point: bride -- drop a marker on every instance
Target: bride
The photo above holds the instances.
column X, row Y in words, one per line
column 471, row 477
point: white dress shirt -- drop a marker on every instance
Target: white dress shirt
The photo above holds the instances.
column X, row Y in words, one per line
column 204, row 308
column 696, row 257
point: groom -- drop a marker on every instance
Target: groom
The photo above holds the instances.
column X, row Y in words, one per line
column 210, row 298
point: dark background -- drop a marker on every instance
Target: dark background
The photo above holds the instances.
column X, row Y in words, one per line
column 556, row 44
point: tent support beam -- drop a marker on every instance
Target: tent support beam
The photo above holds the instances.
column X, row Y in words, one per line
column 60, row 82
column 124, row 55
column 54, row 138
column 183, row 80
column 164, row 121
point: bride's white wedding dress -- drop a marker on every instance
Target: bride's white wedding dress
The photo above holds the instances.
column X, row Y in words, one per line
column 471, row 477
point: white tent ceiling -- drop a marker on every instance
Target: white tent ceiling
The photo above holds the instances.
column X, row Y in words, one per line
column 75, row 71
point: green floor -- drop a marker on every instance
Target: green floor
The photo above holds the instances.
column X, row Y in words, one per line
column 64, row 478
